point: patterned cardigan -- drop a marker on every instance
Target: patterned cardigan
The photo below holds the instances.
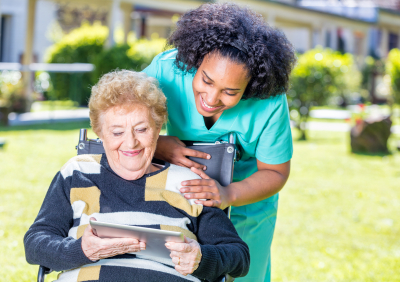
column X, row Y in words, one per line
column 87, row 187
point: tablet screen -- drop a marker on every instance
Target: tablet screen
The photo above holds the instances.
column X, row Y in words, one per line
column 155, row 239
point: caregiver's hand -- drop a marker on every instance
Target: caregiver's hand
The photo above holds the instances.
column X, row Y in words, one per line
column 186, row 256
column 206, row 188
column 96, row 248
column 174, row 151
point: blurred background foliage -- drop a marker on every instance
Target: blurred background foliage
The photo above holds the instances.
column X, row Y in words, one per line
column 81, row 45
column 393, row 70
column 321, row 75
column 87, row 44
column 11, row 91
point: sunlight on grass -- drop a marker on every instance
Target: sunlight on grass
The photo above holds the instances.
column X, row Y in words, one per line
column 338, row 217
column 29, row 162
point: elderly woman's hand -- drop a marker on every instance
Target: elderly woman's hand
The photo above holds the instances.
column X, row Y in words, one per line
column 96, row 248
column 186, row 256
column 174, row 151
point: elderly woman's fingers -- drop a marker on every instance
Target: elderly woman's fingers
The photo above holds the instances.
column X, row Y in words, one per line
column 117, row 246
column 179, row 247
column 186, row 258
column 96, row 248
column 142, row 246
column 185, row 269
column 176, row 260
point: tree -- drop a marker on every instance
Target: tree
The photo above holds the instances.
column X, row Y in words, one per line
column 393, row 69
column 319, row 75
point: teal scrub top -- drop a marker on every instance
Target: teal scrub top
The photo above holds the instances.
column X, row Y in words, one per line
column 261, row 127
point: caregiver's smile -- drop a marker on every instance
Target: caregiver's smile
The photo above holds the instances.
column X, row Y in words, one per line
column 218, row 85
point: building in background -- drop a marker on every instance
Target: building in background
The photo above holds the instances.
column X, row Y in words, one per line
column 383, row 16
column 360, row 27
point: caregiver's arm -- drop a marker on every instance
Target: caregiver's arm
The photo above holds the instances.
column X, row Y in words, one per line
column 266, row 182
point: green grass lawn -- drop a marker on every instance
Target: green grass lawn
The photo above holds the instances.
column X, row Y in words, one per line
column 339, row 214
column 338, row 218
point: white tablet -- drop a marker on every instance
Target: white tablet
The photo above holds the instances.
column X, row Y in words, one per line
column 155, row 239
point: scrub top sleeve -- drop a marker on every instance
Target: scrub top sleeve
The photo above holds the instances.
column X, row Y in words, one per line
column 275, row 145
column 153, row 69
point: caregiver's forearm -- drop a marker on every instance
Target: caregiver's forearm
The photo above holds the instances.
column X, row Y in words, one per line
column 266, row 182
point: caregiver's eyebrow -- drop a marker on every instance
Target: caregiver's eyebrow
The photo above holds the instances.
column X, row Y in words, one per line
column 213, row 81
column 207, row 76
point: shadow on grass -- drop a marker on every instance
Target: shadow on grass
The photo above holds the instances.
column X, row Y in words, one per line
column 61, row 126
column 377, row 154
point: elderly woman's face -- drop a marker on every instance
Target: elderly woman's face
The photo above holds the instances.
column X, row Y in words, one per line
column 129, row 137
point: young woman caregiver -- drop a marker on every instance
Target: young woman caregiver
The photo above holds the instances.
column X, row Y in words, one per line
column 229, row 73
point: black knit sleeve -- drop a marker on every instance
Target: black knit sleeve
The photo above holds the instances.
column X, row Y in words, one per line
column 47, row 242
column 223, row 252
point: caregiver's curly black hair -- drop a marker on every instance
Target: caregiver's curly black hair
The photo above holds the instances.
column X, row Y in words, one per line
column 241, row 35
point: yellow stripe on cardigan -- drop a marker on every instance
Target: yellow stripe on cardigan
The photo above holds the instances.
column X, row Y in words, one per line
column 81, row 230
column 157, row 181
column 89, row 273
column 174, row 199
column 83, row 158
column 156, row 191
column 90, row 196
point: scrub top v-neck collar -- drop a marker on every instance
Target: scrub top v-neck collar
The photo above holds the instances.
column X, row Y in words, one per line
column 223, row 124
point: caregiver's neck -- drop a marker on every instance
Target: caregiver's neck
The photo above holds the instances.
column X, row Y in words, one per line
column 209, row 121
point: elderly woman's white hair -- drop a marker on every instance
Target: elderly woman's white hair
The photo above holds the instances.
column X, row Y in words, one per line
column 126, row 88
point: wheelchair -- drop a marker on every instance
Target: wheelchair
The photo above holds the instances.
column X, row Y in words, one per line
column 220, row 167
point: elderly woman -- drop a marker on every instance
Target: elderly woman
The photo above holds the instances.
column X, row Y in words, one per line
column 123, row 186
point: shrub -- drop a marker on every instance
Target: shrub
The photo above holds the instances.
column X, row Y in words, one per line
column 11, row 91
column 112, row 58
column 319, row 75
column 81, row 45
column 372, row 69
column 143, row 51
column 136, row 56
column 86, row 45
column 393, row 69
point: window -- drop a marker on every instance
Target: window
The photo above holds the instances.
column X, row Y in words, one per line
column 393, row 40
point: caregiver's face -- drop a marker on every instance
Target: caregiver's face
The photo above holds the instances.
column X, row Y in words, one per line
column 218, row 85
column 129, row 137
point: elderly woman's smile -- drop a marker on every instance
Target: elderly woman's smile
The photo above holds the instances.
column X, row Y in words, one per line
column 130, row 137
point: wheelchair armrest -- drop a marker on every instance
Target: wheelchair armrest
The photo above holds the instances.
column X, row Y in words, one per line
column 42, row 272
